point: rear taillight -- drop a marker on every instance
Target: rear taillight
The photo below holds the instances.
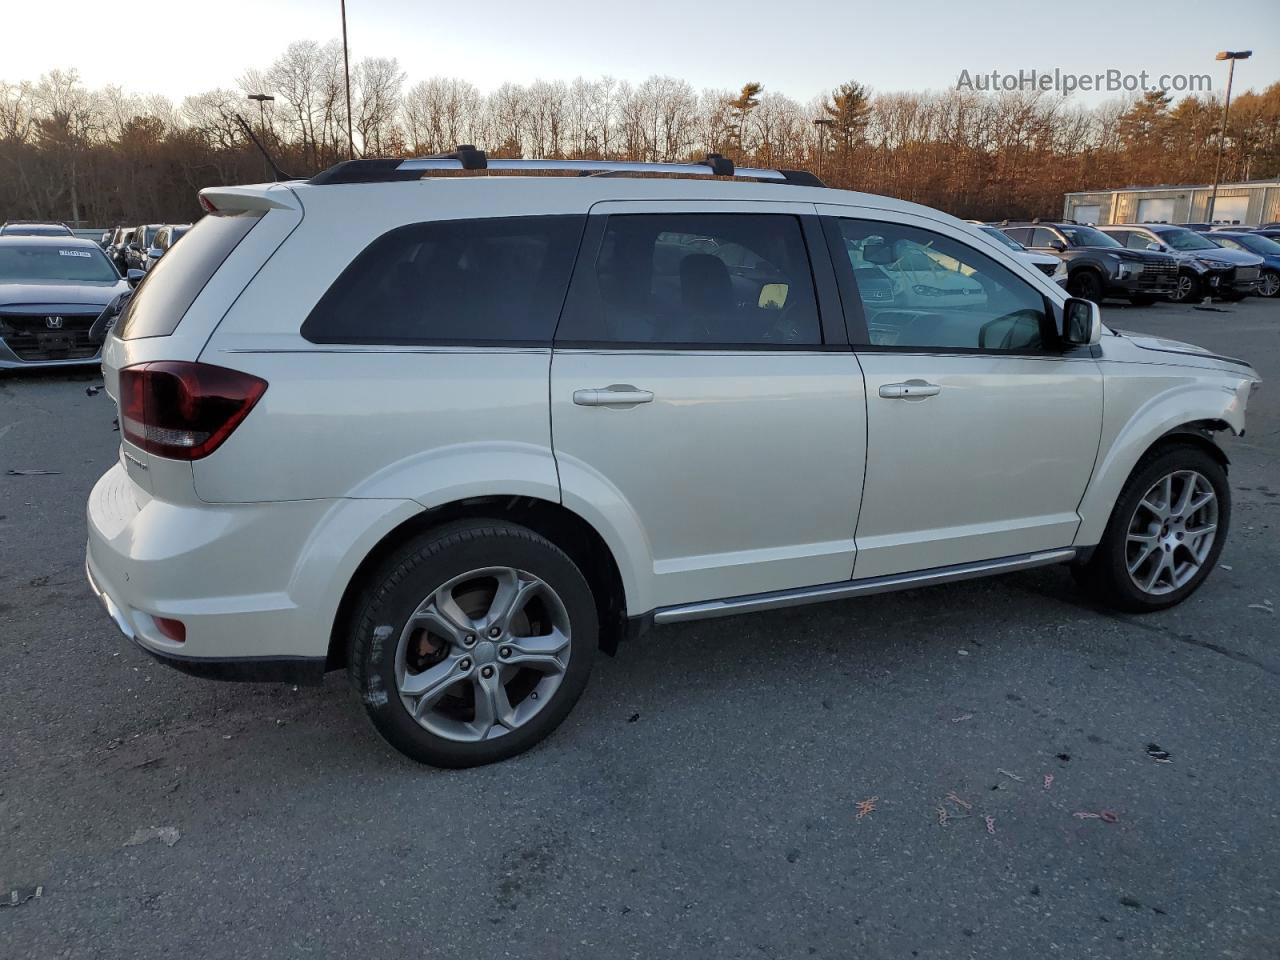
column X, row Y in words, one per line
column 184, row 410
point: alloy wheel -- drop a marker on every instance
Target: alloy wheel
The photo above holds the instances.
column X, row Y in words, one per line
column 1185, row 285
column 1171, row 532
column 1270, row 284
column 483, row 654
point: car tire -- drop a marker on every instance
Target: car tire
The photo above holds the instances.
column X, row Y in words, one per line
column 1142, row 299
column 1188, row 289
column 1125, row 569
column 1270, row 284
column 1086, row 284
column 472, row 642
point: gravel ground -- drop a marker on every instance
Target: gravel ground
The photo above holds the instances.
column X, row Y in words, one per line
column 703, row 800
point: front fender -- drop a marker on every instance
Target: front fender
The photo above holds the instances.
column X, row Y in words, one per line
column 1190, row 401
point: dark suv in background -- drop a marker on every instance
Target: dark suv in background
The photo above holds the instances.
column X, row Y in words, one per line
column 1097, row 265
column 144, row 235
column 1205, row 268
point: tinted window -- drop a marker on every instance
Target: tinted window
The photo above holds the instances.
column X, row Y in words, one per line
column 1021, row 234
column 54, row 261
column 921, row 289
column 1044, row 238
column 1088, row 237
column 451, row 281
column 173, row 282
column 693, row 279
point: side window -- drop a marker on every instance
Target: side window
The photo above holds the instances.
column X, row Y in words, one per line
column 1230, row 244
column 1021, row 234
column 920, row 289
column 1138, row 240
column 499, row 281
column 695, row 279
column 1043, row 237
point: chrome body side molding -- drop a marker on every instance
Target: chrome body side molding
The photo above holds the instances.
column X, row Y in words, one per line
column 752, row 603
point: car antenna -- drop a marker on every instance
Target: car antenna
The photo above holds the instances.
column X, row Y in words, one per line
column 248, row 131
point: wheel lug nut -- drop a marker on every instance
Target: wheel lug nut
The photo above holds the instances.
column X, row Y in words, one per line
column 495, row 631
column 487, row 672
column 465, row 664
column 469, row 640
column 505, row 652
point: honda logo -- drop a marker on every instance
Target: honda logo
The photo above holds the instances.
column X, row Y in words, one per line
column 53, row 323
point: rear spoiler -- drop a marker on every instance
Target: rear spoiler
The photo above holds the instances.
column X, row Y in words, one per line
column 230, row 200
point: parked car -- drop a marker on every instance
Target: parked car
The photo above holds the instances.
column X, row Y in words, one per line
column 165, row 238
column 1053, row 267
column 456, row 446
column 144, row 236
column 34, row 228
column 118, row 247
column 1098, row 266
column 1204, row 267
column 1270, row 232
column 52, row 289
column 1259, row 245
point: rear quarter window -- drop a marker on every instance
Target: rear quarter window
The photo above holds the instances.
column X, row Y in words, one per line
column 498, row 281
column 174, row 282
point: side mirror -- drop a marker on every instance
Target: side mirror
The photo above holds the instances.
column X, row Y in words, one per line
column 134, row 277
column 1156, row 245
column 1081, row 322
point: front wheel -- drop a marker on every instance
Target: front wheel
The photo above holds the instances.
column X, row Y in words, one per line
column 1188, row 289
column 1165, row 533
column 472, row 643
column 1087, row 285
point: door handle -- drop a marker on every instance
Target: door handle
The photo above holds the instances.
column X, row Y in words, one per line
column 614, row 395
column 910, row 390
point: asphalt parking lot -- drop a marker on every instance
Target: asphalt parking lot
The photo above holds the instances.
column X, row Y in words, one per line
column 767, row 786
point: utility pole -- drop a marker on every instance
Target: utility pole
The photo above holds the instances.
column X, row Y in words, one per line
column 822, row 123
column 1233, row 56
column 346, row 69
column 262, row 99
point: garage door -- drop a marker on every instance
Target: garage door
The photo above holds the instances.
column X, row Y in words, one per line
column 1155, row 211
column 1231, row 210
column 1086, row 213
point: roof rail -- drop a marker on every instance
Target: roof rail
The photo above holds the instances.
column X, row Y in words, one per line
column 467, row 157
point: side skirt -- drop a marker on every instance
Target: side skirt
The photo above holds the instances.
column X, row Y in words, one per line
column 751, row 603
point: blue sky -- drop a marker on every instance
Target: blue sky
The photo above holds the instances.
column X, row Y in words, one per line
column 184, row 46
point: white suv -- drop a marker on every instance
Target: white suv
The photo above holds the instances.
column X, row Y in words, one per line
column 455, row 431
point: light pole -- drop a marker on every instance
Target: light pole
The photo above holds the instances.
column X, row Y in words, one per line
column 263, row 99
column 1233, row 56
column 346, row 69
column 822, row 123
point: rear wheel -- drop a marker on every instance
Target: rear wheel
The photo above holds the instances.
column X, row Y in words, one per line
column 1165, row 533
column 472, row 643
column 1269, row 285
column 1086, row 284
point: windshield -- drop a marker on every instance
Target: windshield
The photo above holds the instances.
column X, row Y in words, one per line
column 1263, row 245
column 1185, row 240
column 36, row 230
column 1004, row 238
column 1088, row 237
column 23, row 262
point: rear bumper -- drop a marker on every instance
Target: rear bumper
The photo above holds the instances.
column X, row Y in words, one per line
column 303, row 670
column 255, row 585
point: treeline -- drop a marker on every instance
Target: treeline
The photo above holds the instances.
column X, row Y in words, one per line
column 109, row 156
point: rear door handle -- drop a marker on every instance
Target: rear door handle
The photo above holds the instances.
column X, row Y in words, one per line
column 909, row 390
column 614, row 395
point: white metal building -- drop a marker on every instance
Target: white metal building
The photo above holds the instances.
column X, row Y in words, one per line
column 1250, row 203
